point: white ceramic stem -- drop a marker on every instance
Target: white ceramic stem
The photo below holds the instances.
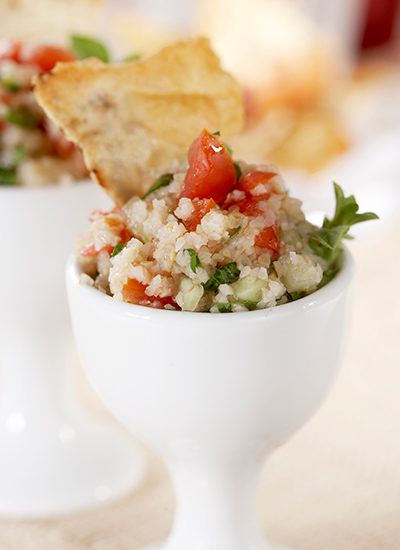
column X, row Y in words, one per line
column 53, row 459
column 213, row 394
column 222, row 514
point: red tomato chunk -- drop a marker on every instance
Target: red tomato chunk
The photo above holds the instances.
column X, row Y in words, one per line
column 211, row 173
column 135, row 292
column 201, row 208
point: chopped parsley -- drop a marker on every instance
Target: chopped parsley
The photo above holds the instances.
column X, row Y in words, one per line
column 20, row 116
column 132, row 57
column 8, row 175
column 224, row 275
column 226, row 307
column 296, row 295
column 19, row 154
column 228, row 149
column 238, row 170
column 10, row 85
column 162, row 181
column 194, row 259
column 232, row 235
column 218, row 134
column 84, row 47
column 117, row 249
column 223, row 307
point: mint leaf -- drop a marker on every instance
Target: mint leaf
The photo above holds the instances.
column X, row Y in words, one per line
column 232, row 235
column 8, row 175
column 194, row 259
column 224, row 275
column 162, row 181
column 117, row 249
column 84, row 47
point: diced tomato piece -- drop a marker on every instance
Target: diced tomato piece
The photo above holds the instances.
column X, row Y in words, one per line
column 97, row 211
column 211, row 173
column 5, row 98
column 126, row 235
column 269, row 238
column 10, row 49
column 45, row 57
column 250, row 181
column 201, row 208
column 90, row 250
column 251, row 207
column 62, row 148
column 135, row 292
column 117, row 210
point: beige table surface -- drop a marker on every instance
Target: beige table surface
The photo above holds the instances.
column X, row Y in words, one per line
column 334, row 486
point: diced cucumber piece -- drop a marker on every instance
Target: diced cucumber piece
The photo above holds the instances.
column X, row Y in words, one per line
column 189, row 294
column 248, row 289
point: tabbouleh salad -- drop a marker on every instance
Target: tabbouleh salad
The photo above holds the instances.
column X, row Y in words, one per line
column 217, row 235
column 33, row 150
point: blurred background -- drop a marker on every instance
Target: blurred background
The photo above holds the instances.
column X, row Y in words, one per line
column 320, row 79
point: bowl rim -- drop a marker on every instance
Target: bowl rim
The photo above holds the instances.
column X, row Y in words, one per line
column 315, row 300
column 53, row 188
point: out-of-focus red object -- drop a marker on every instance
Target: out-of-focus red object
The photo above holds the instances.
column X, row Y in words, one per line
column 380, row 22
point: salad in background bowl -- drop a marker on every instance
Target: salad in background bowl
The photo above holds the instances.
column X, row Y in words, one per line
column 33, row 150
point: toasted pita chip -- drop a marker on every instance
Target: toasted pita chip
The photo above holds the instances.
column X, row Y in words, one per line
column 136, row 120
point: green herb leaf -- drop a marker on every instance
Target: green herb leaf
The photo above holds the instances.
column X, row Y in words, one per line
column 162, row 181
column 218, row 134
column 249, row 305
column 224, row 275
column 20, row 116
column 238, row 171
column 19, row 154
column 8, row 175
column 223, row 307
column 230, row 151
column 226, row 307
column 117, row 249
column 346, row 211
column 10, row 85
column 296, row 295
column 194, row 259
column 232, row 235
column 329, row 238
column 84, row 47
column 132, row 57
column 327, row 241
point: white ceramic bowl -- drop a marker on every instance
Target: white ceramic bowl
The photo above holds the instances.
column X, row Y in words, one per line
column 213, row 394
column 53, row 459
